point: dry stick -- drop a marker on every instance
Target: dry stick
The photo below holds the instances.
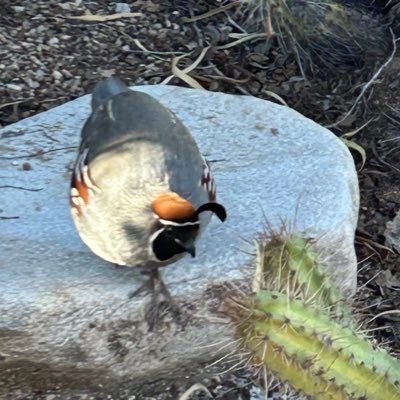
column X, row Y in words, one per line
column 274, row 95
column 395, row 122
column 377, row 156
column 349, row 135
column 392, row 150
column 369, row 83
column 383, row 313
column 20, row 188
column 211, row 13
column 140, row 45
column 101, row 18
column 51, row 100
column 236, row 25
column 183, row 74
column 196, row 28
column 223, row 77
column 38, row 153
column 245, row 38
column 15, row 102
column 50, row 137
column 144, row 49
column 269, row 30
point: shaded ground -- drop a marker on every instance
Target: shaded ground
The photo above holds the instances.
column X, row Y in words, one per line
column 47, row 59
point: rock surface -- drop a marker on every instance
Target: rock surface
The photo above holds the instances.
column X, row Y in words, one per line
column 65, row 319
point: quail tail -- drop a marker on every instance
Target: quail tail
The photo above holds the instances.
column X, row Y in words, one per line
column 161, row 300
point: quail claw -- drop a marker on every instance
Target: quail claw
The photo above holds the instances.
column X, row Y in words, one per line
column 161, row 301
column 148, row 286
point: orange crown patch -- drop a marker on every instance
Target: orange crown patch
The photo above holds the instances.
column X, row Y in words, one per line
column 172, row 207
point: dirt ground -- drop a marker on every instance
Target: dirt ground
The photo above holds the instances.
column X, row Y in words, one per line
column 48, row 58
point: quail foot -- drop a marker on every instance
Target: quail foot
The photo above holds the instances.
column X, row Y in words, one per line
column 141, row 192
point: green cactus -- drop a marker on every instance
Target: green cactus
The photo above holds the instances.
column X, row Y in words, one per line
column 298, row 326
column 290, row 265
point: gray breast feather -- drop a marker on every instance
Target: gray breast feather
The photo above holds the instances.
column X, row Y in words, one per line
column 135, row 121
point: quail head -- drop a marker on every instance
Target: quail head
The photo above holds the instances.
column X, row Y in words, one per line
column 141, row 192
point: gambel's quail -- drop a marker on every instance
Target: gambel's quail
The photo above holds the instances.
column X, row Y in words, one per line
column 140, row 185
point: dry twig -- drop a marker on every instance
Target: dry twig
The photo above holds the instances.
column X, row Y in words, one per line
column 370, row 82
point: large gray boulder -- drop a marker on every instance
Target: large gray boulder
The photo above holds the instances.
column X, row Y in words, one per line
column 65, row 319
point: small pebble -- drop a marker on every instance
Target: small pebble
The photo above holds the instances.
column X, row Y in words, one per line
column 66, row 73
column 57, row 75
column 18, row 9
column 40, row 74
column 122, row 8
column 12, row 86
column 53, row 41
column 27, row 166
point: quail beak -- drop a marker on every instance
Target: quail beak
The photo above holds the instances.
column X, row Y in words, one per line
column 189, row 248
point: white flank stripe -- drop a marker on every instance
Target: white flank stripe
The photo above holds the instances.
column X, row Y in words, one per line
column 109, row 110
column 75, row 200
column 75, row 212
column 86, row 178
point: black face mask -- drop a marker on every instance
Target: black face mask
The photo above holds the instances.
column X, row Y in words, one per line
column 178, row 237
column 173, row 240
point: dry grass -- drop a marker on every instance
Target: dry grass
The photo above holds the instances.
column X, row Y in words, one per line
column 320, row 33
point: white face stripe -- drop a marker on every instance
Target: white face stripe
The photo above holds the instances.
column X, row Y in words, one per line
column 172, row 223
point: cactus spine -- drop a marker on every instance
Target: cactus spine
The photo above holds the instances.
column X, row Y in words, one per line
column 299, row 327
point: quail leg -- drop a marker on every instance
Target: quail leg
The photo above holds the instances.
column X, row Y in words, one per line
column 161, row 299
